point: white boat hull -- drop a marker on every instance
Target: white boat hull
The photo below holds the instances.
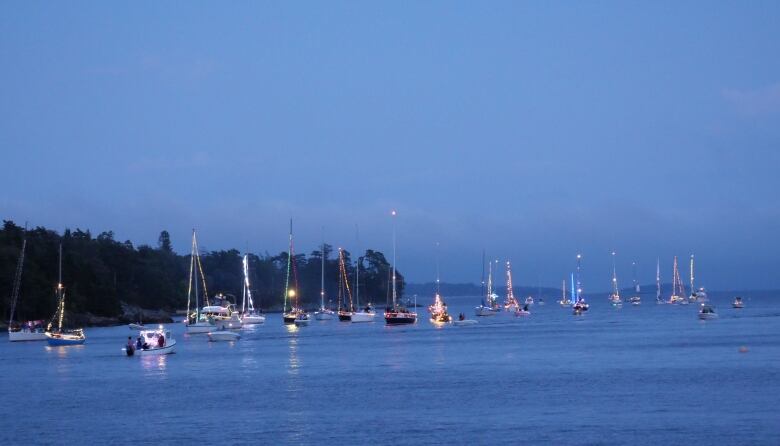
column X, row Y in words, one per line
column 17, row 336
column 708, row 316
column 216, row 336
column 233, row 323
column 302, row 322
column 253, row 319
column 167, row 350
column 136, row 327
column 324, row 315
column 522, row 313
column 361, row 316
column 200, row 327
column 485, row 311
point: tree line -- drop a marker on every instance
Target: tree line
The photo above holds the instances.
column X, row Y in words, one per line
column 100, row 273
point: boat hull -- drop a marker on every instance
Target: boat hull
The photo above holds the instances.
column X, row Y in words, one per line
column 485, row 311
column 323, row 315
column 200, row 327
column 400, row 319
column 464, row 322
column 253, row 319
column 64, row 340
column 360, row 317
column 223, row 336
column 301, row 322
column 167, row 350
column 522, row 313
column 708, row 316
column 20, row 336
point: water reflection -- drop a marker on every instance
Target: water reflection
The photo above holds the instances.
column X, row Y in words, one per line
column 292, row 369
column 155, row 365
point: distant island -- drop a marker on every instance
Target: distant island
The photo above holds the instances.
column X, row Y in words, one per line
column 109, row 281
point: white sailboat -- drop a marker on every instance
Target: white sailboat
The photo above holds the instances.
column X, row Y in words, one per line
column 699, row 295
column 565, row 301
column 489, row 306
column 615, row 298
column 367, row 313
column 323, row 314
column 249, row 316
column 635, row 300
column 397, row 314
column 197, row 322
column 678, row 289
column 29, row 330
column 658, row 299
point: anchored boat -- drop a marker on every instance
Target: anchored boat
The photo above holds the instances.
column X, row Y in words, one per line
column 29, row 330
column 398, row 314
column 197, row 322
column 249, row 316
column 60, row 336
column 152, row 342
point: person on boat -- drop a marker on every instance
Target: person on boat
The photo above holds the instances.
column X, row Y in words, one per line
column 139, row 344
column 525, row 307
column 461, row 317
column 130, row 345
column 161, row 341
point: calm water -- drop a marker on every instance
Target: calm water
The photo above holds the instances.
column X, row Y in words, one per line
column 643, row 375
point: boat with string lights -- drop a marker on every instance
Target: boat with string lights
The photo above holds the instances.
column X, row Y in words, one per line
column 614, row 297
column 678, row 289
column 346, row 307
column 196, row 322
column 249, row 315
column 580, row 306
column 58, row 336
column 510, row 304
column 635, row 300
column 152, row 342
column 489, row 305
column 291, row 298
column 398, row 314
column 738, row 304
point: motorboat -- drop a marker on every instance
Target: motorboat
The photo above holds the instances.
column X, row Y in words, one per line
column 302, row 319
column 223, row 335
column 707, row 312
column 635, row 300
column 738, row 303
column 152, row 342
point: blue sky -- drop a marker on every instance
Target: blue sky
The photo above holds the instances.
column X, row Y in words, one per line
column 533, row 130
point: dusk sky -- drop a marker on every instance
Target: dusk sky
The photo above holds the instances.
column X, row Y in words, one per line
column 530, row 129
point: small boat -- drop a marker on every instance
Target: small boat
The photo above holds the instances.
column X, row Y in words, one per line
column 541, row 301
column 30, row 330
column 302, row 319
column 223, row 335
column 463, row 322
column 249, row 316
column 152, row 342
column 60, row 337
column 707, row 312
column 738, row 303
column 565, row 301
column 136, row 327
column 398, row 314
column 579, row 306
column 635, row 299
column 699, row 295
column 529, row 300
column 522, row 311
column 223, row 312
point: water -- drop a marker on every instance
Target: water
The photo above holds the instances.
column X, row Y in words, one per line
column 642, row 375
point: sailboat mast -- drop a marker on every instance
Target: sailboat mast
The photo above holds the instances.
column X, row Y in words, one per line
column 490, row 284
column 658, row 279
column 692, row 274
column 394, row 291
column 438, row 286
column 614, row 277
column 60, row 292
column 287, row 278
column 564, row 290
column 322, row 278
column 510, row 296
column 579, row 284
column 482, row 281
column 18, row 278
column 357, row 269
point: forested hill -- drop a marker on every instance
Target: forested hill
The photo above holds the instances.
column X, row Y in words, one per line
column 100, row 273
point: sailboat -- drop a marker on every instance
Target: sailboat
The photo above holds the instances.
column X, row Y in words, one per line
column 323, row 314
column 345, row 294
column 658, row 299
column 438, row 310
column 197, row 322
column 249, row 316
column 367, row 313
column 510, row 304
column 30, row 330
column 580, row 306
column 397, row 314
column 489, row 306
column 678, row 289
column 518, row 311
column 699, row 295
column 635, row 299
column 615, row 298
column 565, row 301
column 60, row 337
column 295, row 315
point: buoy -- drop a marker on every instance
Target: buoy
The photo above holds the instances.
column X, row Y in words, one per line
column 743, row 349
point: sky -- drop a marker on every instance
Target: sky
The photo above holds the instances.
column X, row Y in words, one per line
column 530, row 130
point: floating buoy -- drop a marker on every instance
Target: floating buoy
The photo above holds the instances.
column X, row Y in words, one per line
column 743, row 349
